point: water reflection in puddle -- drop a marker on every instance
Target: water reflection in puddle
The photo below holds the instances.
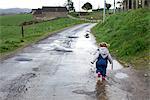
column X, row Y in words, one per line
column 116, row 65
column 101, row 91
column 121, row 75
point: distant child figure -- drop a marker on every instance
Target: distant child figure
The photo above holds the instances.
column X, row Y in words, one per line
column 102, row 58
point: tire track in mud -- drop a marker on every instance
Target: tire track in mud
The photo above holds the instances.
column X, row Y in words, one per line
column 16, row 87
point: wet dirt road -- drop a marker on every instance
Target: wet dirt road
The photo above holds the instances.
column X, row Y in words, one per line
column 58, row 68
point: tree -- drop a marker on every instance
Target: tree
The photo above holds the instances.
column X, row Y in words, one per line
column 120, row 4
column 108, row 6
column 70, row 5
column 87, row 6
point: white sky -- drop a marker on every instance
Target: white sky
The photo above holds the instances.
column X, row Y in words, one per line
column 40, row 3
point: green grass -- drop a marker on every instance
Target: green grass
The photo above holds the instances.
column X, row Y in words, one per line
column 12, row 20
column 128, row 34
column 10, row 32
column 95, row 15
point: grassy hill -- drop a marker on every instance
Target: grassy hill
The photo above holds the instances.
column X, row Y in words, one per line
column 128, row 34
column 14, row 11
column 10, row 31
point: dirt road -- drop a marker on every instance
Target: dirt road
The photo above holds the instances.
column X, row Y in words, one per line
column 58, row 68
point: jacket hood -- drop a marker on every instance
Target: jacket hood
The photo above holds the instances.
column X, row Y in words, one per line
column 104, row 52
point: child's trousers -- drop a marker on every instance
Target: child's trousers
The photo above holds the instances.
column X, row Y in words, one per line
column 101, row 69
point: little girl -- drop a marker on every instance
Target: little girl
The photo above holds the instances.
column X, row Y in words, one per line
column 102, row 57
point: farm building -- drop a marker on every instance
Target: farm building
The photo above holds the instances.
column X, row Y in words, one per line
column 47, row 13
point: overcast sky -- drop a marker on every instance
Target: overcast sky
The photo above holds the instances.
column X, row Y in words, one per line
column 39, row 3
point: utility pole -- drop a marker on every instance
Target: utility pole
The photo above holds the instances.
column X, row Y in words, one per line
column 137, row 4
column 79, row 8
column 104, row 11
column 114, row 6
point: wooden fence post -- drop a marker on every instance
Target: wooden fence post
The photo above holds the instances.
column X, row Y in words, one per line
column 22, row 31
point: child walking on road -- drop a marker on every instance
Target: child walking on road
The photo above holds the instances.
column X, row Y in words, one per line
column 102, row 57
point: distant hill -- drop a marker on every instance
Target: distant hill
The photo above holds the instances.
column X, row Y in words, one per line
column 14, row 11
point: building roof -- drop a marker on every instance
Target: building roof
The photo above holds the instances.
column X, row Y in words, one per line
column 37, row 11
column 49, row 9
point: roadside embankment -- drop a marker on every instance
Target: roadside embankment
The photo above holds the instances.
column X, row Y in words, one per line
column 128, row 34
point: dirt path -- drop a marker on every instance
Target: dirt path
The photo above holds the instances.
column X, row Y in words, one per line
column 58, row 68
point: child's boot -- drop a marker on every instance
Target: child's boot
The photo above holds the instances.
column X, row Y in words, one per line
column 99, row 76
column 103, row 78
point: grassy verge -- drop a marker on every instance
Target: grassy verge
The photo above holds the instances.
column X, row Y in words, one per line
column 95, row 15
column 10, row 32
column 128, row 34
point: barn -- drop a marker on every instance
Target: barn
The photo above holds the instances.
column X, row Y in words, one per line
column 47, row 13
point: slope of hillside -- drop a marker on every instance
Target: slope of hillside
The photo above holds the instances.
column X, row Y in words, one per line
column 128, row 34
column 95, row 15
column 15, row 20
